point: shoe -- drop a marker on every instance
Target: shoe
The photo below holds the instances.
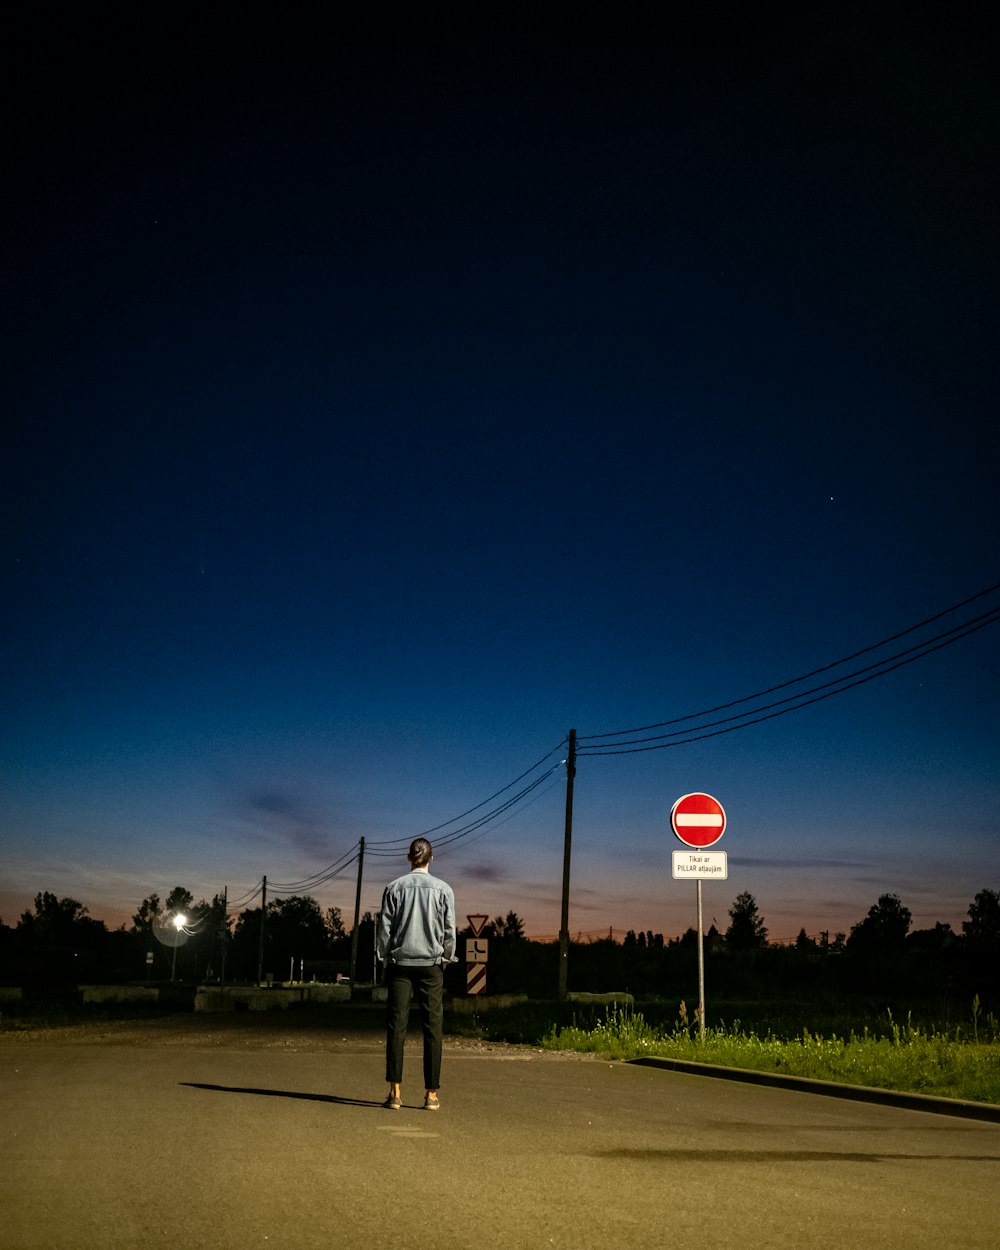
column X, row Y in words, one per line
column 432, row 1104
column 392, row 1104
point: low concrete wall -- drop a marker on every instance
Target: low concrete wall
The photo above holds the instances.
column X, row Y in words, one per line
column 268, row 998
column 320, row 995
column 119, row 993
column 484, row 1002
column 616, row 996
column 11, row 993
column 495, row 1002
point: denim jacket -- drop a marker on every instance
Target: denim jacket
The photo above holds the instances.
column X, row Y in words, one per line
column 416, row 923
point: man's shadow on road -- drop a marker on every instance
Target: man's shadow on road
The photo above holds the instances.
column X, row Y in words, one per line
column 283, row 1093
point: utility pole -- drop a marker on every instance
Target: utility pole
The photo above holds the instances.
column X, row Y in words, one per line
column 223, row 934
column 701, row 968
column 260, row 943
column 357, row 913
column 567, row 840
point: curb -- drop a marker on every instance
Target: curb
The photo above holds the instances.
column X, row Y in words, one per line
column 808, row 1085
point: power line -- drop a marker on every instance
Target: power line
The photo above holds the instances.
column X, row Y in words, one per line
column 534, row 799
column 392, row 849
column 397, row 842
column 697, row 736
column 336, row 869
column 793, row 681
column 246, row 898
column 502, row 809
column 838, row 685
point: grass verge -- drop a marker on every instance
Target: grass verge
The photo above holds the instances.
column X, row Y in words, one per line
column 961, row 1064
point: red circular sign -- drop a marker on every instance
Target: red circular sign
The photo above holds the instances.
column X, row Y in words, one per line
column 698, row 819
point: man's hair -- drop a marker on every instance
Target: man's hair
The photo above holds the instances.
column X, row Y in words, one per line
column 420, row 852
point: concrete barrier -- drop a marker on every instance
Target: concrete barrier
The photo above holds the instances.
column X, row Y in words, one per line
column 615, row 997
column 268, row 998
column 484, row 1002
column 119, row 993
column 467, row 1006
column 11, row 993
column 321, row 995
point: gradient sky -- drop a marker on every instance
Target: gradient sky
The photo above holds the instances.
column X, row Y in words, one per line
column 383, row 401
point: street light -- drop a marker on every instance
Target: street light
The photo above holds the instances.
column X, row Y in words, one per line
column 179, row 921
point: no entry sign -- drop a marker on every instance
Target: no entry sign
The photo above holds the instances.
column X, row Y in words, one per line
column 698, row 819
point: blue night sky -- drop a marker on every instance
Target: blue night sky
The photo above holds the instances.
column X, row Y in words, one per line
column 383, row 402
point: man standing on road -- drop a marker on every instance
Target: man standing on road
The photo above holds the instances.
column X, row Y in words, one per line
column 415, row 937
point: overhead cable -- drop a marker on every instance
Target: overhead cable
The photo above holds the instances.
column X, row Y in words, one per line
column 372, row 846
column 722, row 707
column 318, row 878
column 389, row 849
column 695, row 734
column 245, row 898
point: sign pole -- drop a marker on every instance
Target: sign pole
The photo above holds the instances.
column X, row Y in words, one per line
column 701, row 967
column 699, row 821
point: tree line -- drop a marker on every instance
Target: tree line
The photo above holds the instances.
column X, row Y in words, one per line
column 882, row 958
column 58, row 942
column 174, row 938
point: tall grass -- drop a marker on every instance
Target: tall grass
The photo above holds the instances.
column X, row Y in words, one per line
column 962, row 1063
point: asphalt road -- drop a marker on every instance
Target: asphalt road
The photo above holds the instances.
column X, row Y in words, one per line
column 229, row 1132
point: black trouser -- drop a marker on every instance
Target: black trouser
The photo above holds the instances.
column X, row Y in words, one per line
column 426, row 983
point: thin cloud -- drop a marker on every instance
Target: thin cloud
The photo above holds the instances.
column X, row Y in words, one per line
column 780, row 861
column 488, row 873
column 286, row 818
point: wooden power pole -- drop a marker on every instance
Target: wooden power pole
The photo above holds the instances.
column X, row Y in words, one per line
column 357, row 913
column 260, row 940
column 567, row 842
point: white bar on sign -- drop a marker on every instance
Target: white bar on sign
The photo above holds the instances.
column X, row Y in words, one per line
column 697, row 818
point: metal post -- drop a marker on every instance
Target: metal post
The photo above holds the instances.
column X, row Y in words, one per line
column 567, row 840
column 701, row 968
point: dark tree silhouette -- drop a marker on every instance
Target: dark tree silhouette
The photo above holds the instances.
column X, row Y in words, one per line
column 179, row 900
column 334, row 922
column 981, row 939
column 63, row 942
column 883, row 931
column 512, row 927
column 982, row 929
column 147, row 915
column 60, row 922
column 297, row 929
column 294, row 929
column 747, row 931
